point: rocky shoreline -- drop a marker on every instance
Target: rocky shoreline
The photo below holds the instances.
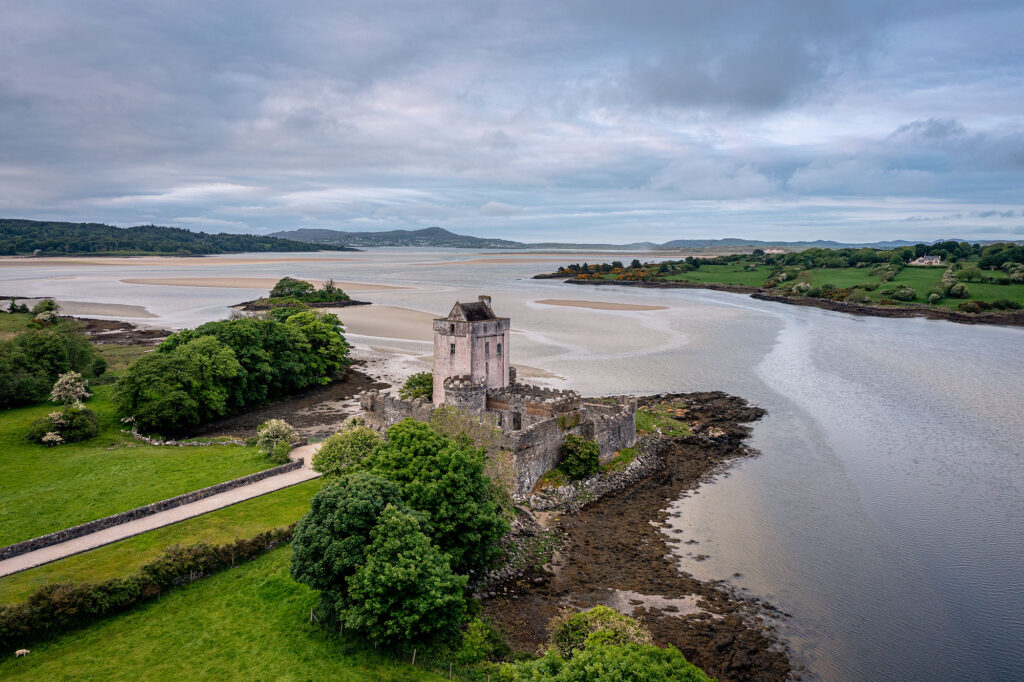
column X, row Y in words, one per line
column 1013, row 318
column 612, row 551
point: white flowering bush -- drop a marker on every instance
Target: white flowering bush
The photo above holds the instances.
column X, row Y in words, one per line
column 71, row 388
column 51, row 438
column 272, row 432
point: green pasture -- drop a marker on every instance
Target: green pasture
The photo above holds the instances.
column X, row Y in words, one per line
column 250, row 622
column 45, row 489
column 123, row 558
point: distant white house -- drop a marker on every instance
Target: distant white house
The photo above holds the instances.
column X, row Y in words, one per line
column 927, row 260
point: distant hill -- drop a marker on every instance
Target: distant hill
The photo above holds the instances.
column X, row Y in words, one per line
column 54, row 238
column 430, row 236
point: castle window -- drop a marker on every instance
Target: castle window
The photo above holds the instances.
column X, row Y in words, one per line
column 499, row 349
column 453, row 349
column 451, row 328
column 487, row 347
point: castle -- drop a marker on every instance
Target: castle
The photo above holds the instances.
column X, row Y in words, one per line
column 472, row 374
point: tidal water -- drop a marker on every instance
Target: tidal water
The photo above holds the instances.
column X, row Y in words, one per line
column 886, row 510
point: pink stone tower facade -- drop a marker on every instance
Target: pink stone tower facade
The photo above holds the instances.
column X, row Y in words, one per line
column 471, row 342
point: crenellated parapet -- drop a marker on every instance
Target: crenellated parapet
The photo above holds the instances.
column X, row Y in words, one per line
column 465, row 393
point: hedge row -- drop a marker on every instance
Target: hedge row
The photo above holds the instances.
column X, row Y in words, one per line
column 60, row 607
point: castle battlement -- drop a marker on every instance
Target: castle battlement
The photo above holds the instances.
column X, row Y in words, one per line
column 472, row 374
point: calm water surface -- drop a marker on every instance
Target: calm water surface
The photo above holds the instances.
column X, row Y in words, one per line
column 886, row 512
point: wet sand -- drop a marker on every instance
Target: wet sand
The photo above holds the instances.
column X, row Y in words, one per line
column 598, row 305
column 384, row 321
column 247, row 283
column 79, row 308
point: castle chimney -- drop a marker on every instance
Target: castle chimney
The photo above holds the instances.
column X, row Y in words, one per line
column 486, row 300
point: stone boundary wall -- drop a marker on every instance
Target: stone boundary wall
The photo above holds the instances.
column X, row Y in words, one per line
column 60, row 536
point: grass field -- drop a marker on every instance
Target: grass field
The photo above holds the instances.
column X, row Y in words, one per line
column 46, row 489
column 661, row 418
column 13, row 323
column 242, row 520
column 248, row 623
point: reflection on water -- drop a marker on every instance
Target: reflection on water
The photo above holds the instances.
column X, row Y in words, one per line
column 885, row 513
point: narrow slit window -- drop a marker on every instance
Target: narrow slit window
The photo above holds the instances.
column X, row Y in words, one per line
column 499, row 349
column 487, row 347
column 452, row 349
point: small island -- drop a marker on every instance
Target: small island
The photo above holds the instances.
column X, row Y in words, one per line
column 957, row 281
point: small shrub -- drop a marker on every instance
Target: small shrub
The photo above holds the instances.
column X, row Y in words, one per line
column 554, row 478
column 47, row 305
column 934, row 298
column 99, row 367
column 580, row 457
column 69, row 425
column 813, row 292
column 271, row 432
column 904, row 293
column 481, row 642
column 1005, row 304
column 280, row 453
column 959, row 290
column 571, row 631
column 345, row 449
column 419, row 385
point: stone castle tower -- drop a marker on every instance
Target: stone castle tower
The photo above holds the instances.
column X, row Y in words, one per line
column 471, row 345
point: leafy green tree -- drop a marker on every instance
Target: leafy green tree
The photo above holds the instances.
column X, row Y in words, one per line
column 209, row 370
column 580, row 457
column 444, row 479
column 405, row 593
column 155, row 393
column 419, row 385
column 342, row 451
column 289, row 286
column 32, row 361
column 330, row 541
column 328, row 350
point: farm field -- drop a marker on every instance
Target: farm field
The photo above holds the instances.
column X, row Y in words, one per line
column 250, row 622
column 123, row 558
column 46, row 489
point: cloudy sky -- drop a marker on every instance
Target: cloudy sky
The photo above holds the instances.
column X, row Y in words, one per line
column 534, row 120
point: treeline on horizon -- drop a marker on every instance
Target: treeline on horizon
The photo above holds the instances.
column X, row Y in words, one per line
column 19, row 237
column 987, row 257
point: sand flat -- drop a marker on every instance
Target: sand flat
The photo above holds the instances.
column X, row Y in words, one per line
column 385, row 321
column 86, row 308
column 599, row 305
column 247, row 283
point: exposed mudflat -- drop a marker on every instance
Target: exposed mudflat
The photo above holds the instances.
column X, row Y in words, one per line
column 120, row 333
column 613, row 550
column 315, row 413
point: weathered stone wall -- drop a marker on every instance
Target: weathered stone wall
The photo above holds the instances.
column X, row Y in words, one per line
column 536, row 446
column 382, row 411
column 466, row 394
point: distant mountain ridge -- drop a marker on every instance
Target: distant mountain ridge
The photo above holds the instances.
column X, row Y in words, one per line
column 440, row 237
column 58, row 238
column 428, row 236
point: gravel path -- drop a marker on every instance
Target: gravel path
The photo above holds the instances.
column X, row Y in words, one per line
column 165, row 518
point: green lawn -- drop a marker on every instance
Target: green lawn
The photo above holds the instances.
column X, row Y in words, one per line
column 247, row 623
column 46, row 489
column 12, row 323
column 119, row 357
column 662, row 419
column 242, row 520
column 842, row 278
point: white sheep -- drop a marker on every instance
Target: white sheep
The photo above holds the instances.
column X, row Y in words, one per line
column 21, row 652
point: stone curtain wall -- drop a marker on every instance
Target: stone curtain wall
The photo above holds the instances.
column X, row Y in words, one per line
column 537, row 447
